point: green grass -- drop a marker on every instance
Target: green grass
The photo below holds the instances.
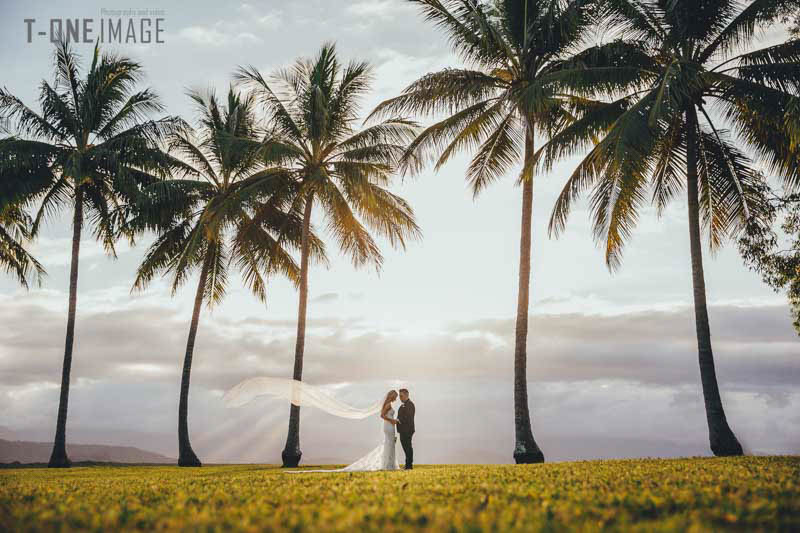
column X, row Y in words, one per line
column 751, row 493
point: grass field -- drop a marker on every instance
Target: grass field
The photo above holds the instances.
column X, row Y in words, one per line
column 761, row 493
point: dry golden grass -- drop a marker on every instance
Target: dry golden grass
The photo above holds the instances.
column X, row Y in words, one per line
column 750, row 493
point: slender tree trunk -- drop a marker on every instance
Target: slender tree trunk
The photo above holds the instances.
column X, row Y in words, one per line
column 526, row 450
column 722, row 439
column 291, row 453
column 59, row 459
column 186, row 455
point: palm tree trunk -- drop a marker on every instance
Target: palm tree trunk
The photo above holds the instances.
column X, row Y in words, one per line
column 722, row 439
column 291, row 453
column 59, row 459
column 526, row 450
column 186, row 455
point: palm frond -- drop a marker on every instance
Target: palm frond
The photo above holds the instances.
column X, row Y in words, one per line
column 14, row 258
column 160, row 255
column 620, row 155
column 670, row 164
column 460, row 20
column 469, row 126
column 385, row 213
column 25, row 121
column 496, row 155
column 591, row 120
column 633, row 19
column 279, row 115
column 447, row 91
column 742, row 28
column 352, row 237
column 216, row 264
column 758, row 114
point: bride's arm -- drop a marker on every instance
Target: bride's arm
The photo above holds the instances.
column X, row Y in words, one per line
column 383, row 415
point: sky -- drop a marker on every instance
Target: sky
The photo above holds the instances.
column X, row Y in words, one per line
column 612, row 360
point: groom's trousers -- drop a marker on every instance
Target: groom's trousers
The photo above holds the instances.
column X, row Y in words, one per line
column 405, row 441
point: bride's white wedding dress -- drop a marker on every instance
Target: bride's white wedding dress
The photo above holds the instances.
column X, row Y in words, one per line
column 383, row 457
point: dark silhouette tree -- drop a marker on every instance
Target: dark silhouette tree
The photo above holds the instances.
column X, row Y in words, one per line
column 344, row 171
column 666, row 136
column 509, row 96
column 228, row 209
column 91, row 149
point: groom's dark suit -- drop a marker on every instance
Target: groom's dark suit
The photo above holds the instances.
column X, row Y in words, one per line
column 405, row 415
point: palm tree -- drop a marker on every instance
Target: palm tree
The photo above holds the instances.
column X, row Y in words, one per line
column 93, row 146
column 226, row 211
column 514, row 50
column 667, row 135
column 314, row 107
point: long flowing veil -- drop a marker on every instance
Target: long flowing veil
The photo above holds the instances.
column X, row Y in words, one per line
column 298, row 393
column 305, row 395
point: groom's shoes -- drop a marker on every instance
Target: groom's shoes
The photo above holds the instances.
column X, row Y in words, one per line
column 408, row 468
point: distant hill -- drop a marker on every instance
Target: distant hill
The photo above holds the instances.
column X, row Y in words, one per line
column 39, row 452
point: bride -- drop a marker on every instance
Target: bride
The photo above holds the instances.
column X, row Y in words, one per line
column 383, row 457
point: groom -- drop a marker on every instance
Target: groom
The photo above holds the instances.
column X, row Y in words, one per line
column 405, row 417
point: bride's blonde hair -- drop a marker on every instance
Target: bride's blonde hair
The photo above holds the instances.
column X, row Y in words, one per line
column 390, row 397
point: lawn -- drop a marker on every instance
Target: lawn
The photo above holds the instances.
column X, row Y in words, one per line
column 761, row 493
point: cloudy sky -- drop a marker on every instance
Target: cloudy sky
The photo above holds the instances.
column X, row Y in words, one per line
column 612, row 358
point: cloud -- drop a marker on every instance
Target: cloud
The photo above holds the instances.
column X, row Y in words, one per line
column 216, row 36
column 57, row 251
column 600, row 385
column 238, row 31
column 328, row 297
column 145, row 342
column 371, row 10
column 264, row 20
